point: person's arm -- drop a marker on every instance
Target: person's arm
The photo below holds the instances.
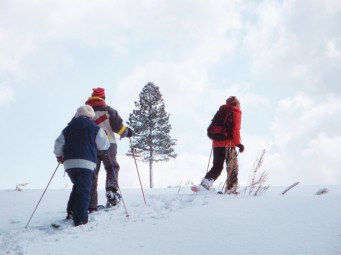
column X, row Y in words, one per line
column 59, row 145
column 116, row 124
column 237, row 117
column 115, row 120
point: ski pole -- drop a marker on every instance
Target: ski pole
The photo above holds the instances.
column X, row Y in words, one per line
column 115, row 175
column 42, row 194
column 138, row 173
column 209, row 160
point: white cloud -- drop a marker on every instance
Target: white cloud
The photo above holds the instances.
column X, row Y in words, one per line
column 6, row 96
column 333, row 51
column 324, row 150
column 301, row 146
column 314, row 161
column 301, row 114
column 115, row 24
column 14, row 47
column 304, row 74
column 268, row 40
column 332, row 6
column 293, row 48
column 181, row 83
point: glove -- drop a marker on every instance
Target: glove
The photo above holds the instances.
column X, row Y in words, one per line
column 130, row 133
column 60, row 159
column 241, row 147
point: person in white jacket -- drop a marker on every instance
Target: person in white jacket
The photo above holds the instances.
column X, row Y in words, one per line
column 108, row 119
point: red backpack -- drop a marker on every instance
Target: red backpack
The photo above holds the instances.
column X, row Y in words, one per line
column 221, row 125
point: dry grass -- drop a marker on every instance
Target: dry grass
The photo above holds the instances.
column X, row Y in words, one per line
column 289, row 188
column 257, row 179
column 322, row 191
column 187, row 184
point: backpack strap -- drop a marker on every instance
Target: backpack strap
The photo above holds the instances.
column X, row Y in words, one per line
column 101, row 119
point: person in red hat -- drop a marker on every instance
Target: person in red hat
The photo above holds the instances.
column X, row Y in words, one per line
column 108, row 119
column 225, row 151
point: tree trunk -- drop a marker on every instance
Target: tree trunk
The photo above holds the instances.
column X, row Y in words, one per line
column 151, row 167
column 151, row 173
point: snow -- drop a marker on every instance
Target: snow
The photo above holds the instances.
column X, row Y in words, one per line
column 177, row 221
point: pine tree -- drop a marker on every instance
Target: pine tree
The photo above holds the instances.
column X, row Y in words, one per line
column 150, row 123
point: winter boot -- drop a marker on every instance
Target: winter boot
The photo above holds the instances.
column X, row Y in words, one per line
column 113, row 198
column 232, row 190
column 207, row 183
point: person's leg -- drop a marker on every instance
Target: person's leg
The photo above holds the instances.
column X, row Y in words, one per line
column 83, row 182
column 94, row 193
column 112, row 168
column 232, row 171
column 218, row 163
column 71, row 203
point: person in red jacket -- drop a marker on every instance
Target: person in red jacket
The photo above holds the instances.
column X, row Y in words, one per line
column 225, row 151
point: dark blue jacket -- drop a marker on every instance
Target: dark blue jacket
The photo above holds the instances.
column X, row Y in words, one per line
column 80, row 136
column 78, row 144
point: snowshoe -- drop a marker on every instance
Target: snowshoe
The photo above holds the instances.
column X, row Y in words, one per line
column 97, row 209
column 100, row 207
column 231, row 192
column 61, row 224
column 55, row 225
column 113, row 199
column 201, row 189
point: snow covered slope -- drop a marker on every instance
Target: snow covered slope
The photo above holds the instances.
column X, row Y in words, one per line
column 178, row 222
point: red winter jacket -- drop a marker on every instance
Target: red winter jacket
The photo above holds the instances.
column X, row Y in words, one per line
column 237, row 118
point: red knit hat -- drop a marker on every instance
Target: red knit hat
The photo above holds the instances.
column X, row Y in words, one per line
column 98, row 92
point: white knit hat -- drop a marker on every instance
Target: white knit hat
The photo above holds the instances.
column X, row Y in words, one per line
column 85, row 110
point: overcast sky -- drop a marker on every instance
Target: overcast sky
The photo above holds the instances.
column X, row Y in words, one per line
column 282, row 59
